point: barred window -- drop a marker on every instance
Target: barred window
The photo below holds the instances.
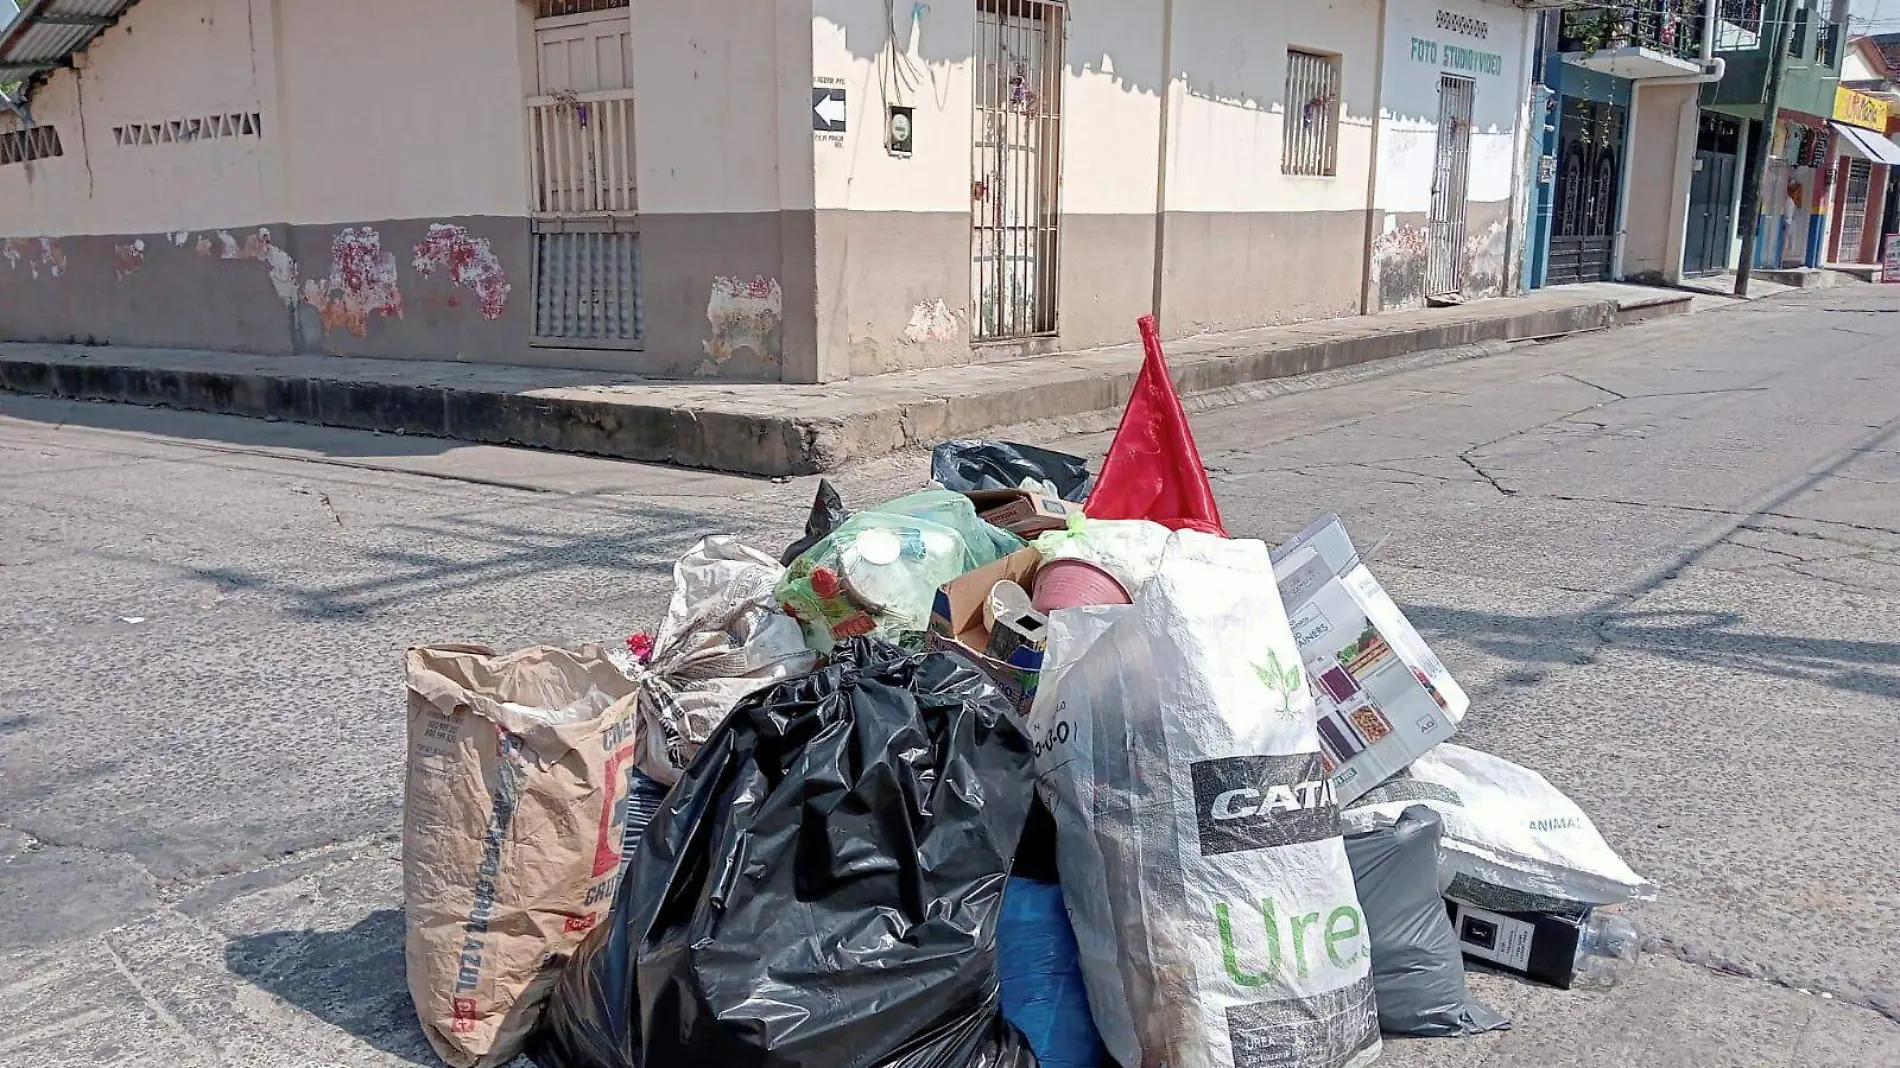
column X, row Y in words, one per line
column 34, row 142
column 548, row 9
column 1310, row 144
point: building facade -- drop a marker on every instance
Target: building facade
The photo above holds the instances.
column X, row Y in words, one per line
column 1617, row 94
column 1796, row 201
column 754, row 190
column 1865, row 186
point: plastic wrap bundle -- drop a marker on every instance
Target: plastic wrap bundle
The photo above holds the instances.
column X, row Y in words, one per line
column 1220, row 927
column 1043, row 993
column 878, row 574
column 723, row 637
column 1129, row 549
column 822, row 887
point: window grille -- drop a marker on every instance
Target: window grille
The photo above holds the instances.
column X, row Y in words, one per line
column 1311, row 137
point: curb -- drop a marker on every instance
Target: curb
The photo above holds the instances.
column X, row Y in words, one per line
column 753, row 439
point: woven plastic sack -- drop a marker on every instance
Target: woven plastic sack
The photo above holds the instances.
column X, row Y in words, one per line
column 1220, row 927
column 723, row 637
column 878, row 574
column 1512, row 841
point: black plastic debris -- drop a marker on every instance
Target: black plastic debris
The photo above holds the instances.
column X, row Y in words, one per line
column 1418, row 970
column 969, row 466
column 821, row 889
column 828, row 513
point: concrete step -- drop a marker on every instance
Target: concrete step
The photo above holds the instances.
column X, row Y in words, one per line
column 774, row 429
column 1815, row 277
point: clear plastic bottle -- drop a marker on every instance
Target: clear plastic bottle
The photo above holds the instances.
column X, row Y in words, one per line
column 1607, row 948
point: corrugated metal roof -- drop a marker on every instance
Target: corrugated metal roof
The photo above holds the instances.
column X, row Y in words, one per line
column 46, row 33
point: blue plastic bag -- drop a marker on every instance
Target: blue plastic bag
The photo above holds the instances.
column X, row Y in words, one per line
column 1041, row 972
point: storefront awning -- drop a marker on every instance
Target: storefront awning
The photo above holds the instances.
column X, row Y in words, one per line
column 1867, row 144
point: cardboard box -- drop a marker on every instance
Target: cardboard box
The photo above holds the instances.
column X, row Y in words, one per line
column 1021, row 512
column 956, row 624
column 1383, row 698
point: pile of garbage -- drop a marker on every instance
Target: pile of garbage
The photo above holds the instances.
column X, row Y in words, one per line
column 1025, row 768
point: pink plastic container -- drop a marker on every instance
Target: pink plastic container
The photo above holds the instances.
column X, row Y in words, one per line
column 1070, row 583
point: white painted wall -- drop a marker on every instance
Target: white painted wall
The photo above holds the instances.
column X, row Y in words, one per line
column 886, row 53
column 401, row 110
column 1408, row 142
column 1228, row 108
column 359, row 122
column 1855, row 68
column 174, row 60
column 723, row 95
column 1112, row 104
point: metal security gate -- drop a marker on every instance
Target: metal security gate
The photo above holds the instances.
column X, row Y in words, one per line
column 1711, row 222
column 1445, row 251
column 1860, row 179
column 1589, row 174
column 1015, row 196
column 583, row 200
column 587, row 287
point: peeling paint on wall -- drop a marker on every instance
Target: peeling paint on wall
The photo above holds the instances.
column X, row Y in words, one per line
column 1484, row 261
column 258, row 246
column 470, row 261
column 743, row 315
column 362, row 281
column 37, row 253
column 129, row 258
column 1398, row 263
column 932, row 320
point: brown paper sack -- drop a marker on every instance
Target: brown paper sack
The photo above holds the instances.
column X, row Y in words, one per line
column 512, row 820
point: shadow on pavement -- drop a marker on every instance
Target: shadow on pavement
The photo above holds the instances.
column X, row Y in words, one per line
column 1704, row 639
column 235, row 430
column 353, row 980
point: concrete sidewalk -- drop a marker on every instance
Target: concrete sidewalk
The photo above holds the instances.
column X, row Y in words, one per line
column 771, row 429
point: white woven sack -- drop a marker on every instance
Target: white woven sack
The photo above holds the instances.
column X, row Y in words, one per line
column 1512, row 841
column 1198, row 835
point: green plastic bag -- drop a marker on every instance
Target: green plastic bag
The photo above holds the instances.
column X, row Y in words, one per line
column 879, row 573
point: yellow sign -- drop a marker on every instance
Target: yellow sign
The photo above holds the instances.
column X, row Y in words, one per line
column 1859, row 109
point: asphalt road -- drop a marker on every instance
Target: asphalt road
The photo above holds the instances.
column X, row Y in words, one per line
column 1664, row 560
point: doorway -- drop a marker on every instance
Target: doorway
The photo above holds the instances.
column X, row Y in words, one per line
column 1860, row 179
column 1451, row 181
column 583, row 200
column 1015, row 210
column 1589, row 175
column 1711, row 224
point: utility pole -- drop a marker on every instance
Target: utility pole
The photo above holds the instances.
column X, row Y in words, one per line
column 1759, row 142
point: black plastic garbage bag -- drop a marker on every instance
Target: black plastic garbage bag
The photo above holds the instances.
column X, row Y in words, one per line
column 968, row 466
column 828, row 513
column 1418, row 969
column 821, row 889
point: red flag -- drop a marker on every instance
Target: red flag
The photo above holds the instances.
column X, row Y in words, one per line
column 1153, row 471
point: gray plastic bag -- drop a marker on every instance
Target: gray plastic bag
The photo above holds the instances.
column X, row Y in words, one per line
column 1418, row 971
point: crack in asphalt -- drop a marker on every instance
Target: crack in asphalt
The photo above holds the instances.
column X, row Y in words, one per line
column 1585, row 382
column 1885, row 1006
column 1486, row 475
